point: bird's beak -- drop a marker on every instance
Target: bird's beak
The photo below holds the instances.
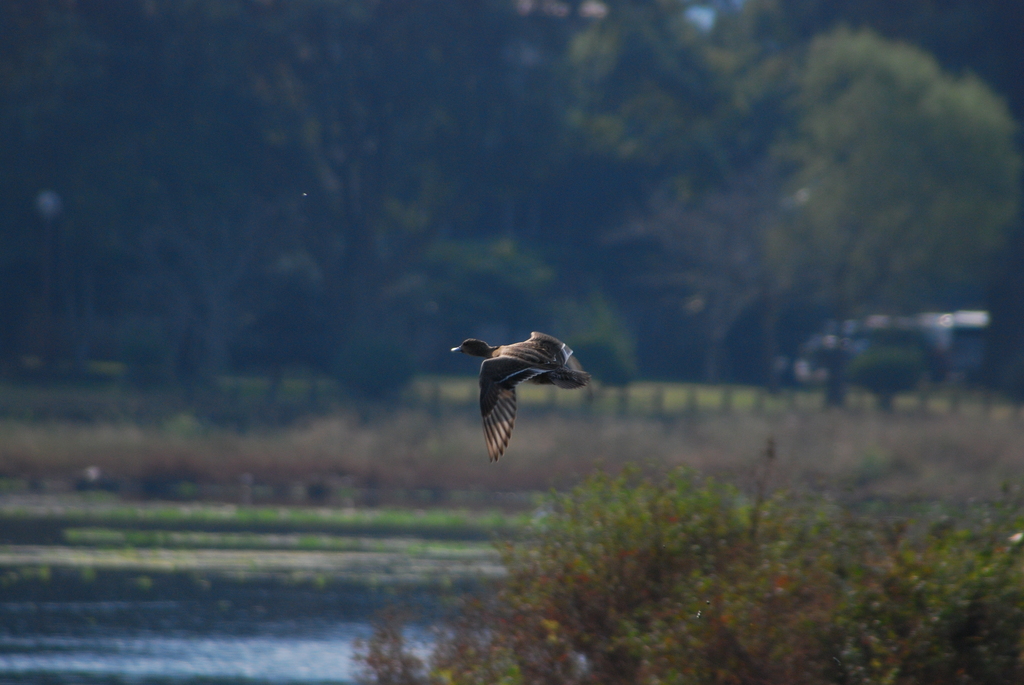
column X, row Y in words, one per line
column 457, row 349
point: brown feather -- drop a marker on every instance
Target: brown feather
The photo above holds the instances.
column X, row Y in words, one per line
column 499, row 422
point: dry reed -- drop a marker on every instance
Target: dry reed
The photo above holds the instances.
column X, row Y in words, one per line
column 861, row 454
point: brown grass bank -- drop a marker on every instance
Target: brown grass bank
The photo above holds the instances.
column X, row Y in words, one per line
column 859, row 454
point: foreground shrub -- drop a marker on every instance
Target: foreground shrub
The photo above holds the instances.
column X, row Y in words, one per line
column 684, row 582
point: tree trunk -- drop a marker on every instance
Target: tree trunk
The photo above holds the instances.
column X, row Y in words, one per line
column 711, row 363
column 216, row 333
column 835, row 362
column 86, row 320
column 835, row 356
column 713, row 354
column 770, row 340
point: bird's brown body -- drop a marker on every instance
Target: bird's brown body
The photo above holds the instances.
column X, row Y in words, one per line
column 541, row 359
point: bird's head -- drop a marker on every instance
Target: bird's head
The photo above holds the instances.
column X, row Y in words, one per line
column 475, row 348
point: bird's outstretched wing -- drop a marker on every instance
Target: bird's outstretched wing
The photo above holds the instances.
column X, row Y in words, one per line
column 498, row 380
column 499, row 422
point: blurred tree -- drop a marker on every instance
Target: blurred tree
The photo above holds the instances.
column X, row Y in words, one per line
column 600, row 338
column 374, row 368
column 477, row 286
column 134, row 112
column 418, row 141
column 905, row 179
column 422, row 129
column 48, row 60
column 669, row 109
column 965, row 36
column 146, row 352
column 710, row 253
column 284, row 324
column 887, row 370
column 197, row 267
column 648, row 94
column 980, row 36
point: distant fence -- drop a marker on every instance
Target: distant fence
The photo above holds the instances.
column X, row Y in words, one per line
column 251, row 400
column 655, row 399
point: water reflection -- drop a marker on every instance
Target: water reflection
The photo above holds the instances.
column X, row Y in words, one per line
column 262, row 633
column 271, row 658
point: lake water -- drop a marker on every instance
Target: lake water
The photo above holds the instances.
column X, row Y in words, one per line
column 230, row 633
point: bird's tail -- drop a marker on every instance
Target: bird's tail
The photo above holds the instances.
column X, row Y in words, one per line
column 569, row 378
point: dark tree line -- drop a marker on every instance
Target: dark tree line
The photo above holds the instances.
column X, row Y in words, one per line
column 262, row 186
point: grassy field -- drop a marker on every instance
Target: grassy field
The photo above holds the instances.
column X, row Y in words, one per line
column 40, row 535
column 428, row 451
column 166, row 500
column 414, row 458
column 91, row 512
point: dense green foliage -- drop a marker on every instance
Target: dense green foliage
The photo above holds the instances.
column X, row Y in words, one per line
column 254, row 185
column 894, row 153
column 680, row 581
column 886, row 371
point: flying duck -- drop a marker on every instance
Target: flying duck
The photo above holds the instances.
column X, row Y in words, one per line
column 541, row 359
